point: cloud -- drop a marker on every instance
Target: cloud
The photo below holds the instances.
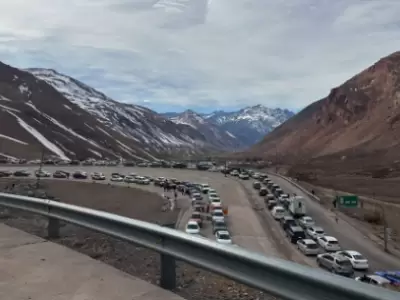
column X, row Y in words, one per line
column 202, row 53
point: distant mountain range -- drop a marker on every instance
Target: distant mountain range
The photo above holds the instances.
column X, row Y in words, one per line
column 248, row 125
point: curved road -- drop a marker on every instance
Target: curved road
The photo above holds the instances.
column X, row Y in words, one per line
column 244, row 225
column 349, row 237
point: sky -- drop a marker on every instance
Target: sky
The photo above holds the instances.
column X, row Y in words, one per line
column 205, row 55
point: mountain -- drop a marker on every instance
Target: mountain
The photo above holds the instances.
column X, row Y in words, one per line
column 223, row 138
column 42, row 109
column 357, row 126
column 249, row 125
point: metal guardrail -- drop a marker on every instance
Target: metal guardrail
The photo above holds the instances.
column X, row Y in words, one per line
column 278, row 277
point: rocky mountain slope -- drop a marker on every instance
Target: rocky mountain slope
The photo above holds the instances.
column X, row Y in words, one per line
column 248, row 125
column 42, row 109
column 356, row 126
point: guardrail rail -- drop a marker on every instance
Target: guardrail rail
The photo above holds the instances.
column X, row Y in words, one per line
column 278, row 277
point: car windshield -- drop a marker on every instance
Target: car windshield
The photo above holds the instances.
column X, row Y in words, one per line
column 218, row 214
column 333, row 242
column 312, row 246
column 343, row 263
column 319, row 231
column 224, row 236
column 192, row 226
column 300, row 234
column 359, row 257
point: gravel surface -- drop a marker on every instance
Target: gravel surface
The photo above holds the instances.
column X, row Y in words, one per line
column 193, row 283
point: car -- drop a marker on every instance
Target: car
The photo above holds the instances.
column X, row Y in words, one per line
column 337, row 264
column 42, row 174
column 244, row 176
column 117, row 175
column 98, row 176
column 315, row 232
column 5, row 173
column 373, row 279
column 204, row 187
column 216, row 202
column 223, row 237
column 256, row 185
column 287, row 221
column 116, row 178
column 197, row 196
column 392, row 276
column 219, row 226
column 308, row 247
column 306, row 222
column 263, row 191
column 295, row 233
column 358, row 261
column 329, row 243
column 129, row 179
column 192, row 227
column 271, row 204
column 196, row 216
column 234, row 173
column 217, row 215
column 21, row 173
column 80, row 175
column 270, row 197
column 60, row 174
column 278, row 212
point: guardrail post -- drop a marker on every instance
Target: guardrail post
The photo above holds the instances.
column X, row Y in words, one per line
column 53, row 227
column 168, row 268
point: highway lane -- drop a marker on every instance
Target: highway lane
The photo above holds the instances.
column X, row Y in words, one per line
column 244, row 226
column 349, row 237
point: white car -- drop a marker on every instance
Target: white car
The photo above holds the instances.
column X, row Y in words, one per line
column 278, row 212
column 116, row 179
column 315, row 232
column 223, row 237
column 329, row 243
column 244, row 176
column 98, row 176
column 204, row 188
column 129, row 179
column 192, row 227
column 358, row 261
column 306, row 222
column 215, row 200
column 373, row 279
column 217, row 215
column 235, row 173
column 308, row 247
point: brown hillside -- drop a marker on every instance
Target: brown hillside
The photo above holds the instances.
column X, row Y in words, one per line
column 357, row 119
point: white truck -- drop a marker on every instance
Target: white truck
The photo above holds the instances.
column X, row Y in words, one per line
column 297, row 206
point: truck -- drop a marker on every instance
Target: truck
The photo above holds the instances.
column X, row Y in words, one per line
column 297, row 206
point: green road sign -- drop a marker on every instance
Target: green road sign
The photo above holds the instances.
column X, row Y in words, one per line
column 348, row 200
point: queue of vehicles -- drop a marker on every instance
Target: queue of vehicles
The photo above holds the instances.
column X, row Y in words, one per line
column 311, row 239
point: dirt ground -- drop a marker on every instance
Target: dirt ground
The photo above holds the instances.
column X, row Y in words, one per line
column 192, row 283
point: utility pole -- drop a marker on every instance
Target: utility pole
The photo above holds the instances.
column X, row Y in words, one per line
column 385, row 229
column 40, row 168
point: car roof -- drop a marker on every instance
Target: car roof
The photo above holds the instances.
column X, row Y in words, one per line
column 306, row 218
column 330, row 238
column 352, row 252
column 191, row 222
column 223, row 232
column 317, row 228
column 309, row 241
column 296, row 228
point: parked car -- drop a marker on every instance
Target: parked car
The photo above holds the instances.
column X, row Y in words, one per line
column 204, row 188
column 263, row 191
column 116, row 178
column 373, row 279
column 358, row 261
column 196, row 216
column 21, row 173
column 219, row 226
column 256, row 185
column 337, row 264
column 42, row 174
column 129, row 179
column 5, row 173
column 244, row 176
column 308, row 247
column 98, row 176
column 306, row 222
column 223, row 237
column 60, row 174
column 287, row 221
column 192, row 227
column 295, row 233
column 80, row 175
column 329, row 243
column 315, row 232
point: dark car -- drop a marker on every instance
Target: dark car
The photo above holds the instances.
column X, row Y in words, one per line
column 219, row 226
column 129, row 164
column 263, row 191
column 21, row 173
column 295, row 233
column 257, row 185
column 5, row 173
column 179, row 166
column 287, row 221
column 80, row 175
column 271, row 203
column 75, row 163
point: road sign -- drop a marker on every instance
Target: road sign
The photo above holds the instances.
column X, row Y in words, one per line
column 348, row 200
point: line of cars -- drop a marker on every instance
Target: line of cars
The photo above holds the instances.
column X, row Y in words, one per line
column 312, row 240
column 207, row 206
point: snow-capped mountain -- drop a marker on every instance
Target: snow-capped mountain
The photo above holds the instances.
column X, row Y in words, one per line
column 211, row 131
column 249, row 125
column 42, row 109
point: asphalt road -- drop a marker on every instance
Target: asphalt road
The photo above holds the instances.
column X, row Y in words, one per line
column 245, row 227
column 349, row 237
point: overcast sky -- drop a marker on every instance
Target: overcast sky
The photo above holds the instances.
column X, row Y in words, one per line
column 202, row 54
